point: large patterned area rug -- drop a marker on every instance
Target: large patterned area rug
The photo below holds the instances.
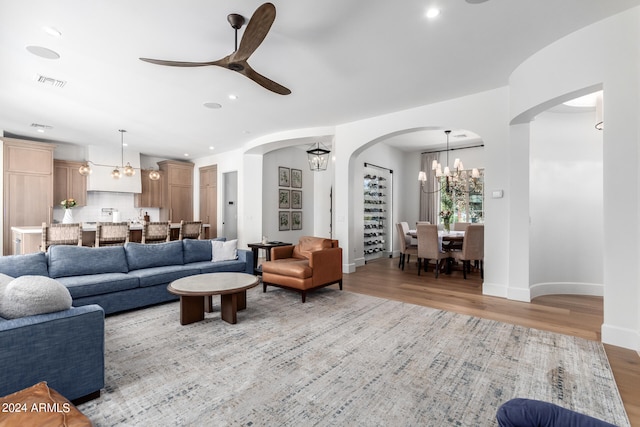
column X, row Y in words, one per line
column 339, row 359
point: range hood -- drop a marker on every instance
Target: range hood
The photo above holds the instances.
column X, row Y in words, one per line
column 100, row 177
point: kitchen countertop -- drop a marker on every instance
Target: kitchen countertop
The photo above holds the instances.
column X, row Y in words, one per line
column 86, row 226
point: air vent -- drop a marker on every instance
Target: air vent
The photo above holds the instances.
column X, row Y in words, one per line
column 39, row 126
column 50, row 81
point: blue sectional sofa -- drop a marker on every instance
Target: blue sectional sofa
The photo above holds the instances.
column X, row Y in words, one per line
column 66, row 348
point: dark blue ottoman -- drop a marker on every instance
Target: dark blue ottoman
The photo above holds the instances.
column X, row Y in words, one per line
column 534, row 413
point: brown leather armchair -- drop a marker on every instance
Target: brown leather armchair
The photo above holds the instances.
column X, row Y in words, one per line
column 313, row 263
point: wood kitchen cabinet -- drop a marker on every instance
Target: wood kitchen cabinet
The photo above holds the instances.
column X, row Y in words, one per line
column 28, row 185
column 151, row 196
column 177, row 191
column 209, row 198
column 68, row 183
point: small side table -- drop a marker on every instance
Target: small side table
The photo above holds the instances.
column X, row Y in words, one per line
column 267, row 246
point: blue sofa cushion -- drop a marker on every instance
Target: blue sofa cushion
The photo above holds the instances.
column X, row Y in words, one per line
column 163, row 275
column 67, row 261
column 215, row 267
column 24, row 265
column 96, row 284
column 196, row 250
column 141, row 256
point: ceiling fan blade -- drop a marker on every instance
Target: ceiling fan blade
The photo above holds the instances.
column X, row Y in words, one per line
column 220, row 62
column 262, row 80
column 256, row 31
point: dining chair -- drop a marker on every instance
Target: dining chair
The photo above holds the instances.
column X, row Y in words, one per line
column 472, row 249
column 112, row 233
column 460, row 226
column 190, row 230
column 156, row 232
column 406, row 250
column 429, row 247
column 60, row 234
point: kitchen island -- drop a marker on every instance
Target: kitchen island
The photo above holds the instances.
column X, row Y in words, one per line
column 27, row 239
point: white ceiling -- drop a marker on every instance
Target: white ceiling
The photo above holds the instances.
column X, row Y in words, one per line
column 342, row 60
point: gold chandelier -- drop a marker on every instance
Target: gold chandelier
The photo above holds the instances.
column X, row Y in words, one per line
column 127, row 170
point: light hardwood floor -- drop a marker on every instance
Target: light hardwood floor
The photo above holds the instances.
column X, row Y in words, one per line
column 579, row 316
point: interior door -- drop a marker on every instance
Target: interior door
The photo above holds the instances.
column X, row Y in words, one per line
column 230, row 211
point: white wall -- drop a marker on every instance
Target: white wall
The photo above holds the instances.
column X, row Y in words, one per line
column 566, row 207
column 292, row 158
column 484, row 113
column 604, row 55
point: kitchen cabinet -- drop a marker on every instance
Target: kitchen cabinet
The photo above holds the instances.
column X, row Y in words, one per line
column 68, row 183
column 151, row 196
column 28, row 186
column 209, row 198
column 177, row 191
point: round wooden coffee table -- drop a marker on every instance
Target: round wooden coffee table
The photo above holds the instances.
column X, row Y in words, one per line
column 196, row 291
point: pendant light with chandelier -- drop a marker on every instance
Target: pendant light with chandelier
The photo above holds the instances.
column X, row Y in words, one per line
column 127, row 170
column 458, row 174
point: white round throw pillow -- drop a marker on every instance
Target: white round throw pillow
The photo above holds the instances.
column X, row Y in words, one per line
column 30, row 295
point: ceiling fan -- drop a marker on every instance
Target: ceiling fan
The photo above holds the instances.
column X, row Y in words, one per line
column 256, row 31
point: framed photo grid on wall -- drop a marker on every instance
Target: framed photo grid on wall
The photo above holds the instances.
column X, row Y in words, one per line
column 289, row 199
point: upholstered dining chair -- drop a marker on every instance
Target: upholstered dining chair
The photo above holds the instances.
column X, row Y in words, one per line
column 429, row 247
column 190, row 230
column 460, row 226
column 406, row 250
column 156, row 232
column 472, row 249
column 60, row 234
column 112, row 233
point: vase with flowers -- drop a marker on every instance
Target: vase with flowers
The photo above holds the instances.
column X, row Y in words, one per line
column 67, row 204
column 446, row 219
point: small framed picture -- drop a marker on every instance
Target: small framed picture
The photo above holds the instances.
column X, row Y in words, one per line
column 284, row 221
column 296, row 199
column 296, row 178
column 284, row 197
column 296, row 220
column 284, row 177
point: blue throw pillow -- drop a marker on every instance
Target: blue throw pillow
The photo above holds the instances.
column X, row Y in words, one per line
column 196, row 250
column 153, row 255
column 24, row 265
column 67, row 261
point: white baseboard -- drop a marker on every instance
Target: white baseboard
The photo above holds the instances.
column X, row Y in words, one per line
column 621, row 337
column 567, row 288
column 349, row 268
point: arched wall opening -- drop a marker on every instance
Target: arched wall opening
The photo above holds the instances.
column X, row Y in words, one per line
column 566, row 230
column 400, row 152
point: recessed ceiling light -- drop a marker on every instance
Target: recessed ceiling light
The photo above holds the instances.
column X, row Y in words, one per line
column 43, row 52
column 476, row 1
column 233, row 97
column 212, row 105
column 432, row 12
column 53, row 32
column 186, row 154
column 212, row 148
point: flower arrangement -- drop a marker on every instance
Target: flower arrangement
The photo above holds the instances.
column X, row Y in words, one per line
column 68, row 203
column 446, row 216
